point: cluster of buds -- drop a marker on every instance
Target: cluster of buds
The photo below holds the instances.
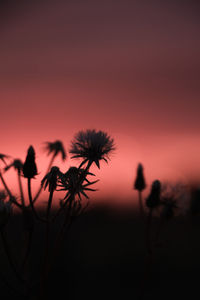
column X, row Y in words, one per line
column 75, row 182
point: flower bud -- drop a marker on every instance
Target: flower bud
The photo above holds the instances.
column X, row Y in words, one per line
column 140, row 181
column 153, row 199
column 29, row 167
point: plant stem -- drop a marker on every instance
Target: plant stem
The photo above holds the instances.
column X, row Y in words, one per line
column 160, row 226
column 48, row 168
column 11, row 288
column 148, row 261
column 46, row 250
column 29, row 240
column 9, row 256
column 148, row 231
column 48, row 228
column 67, row 222
column 21, row 190
column 31, row 202
column 141, row 208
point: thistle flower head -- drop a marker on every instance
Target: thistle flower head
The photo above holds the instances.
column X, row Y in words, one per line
column 29, row 167
column 51, row 179
column 92, row 146
column 16, row 164
column 55, row 148
column 153, row 200
column 5, row 209
column 73, row 181
column 140, row 183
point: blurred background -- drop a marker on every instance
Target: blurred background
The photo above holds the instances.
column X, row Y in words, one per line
column 130, row 68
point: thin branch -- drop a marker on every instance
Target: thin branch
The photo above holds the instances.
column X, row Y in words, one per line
column 47, row 171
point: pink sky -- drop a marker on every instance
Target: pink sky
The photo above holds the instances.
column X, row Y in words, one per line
column 130, row 68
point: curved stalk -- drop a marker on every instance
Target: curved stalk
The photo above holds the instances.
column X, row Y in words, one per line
column 148, row 231
column 21, row 190
column 31, row 202
column 148, row 261
column 59, row 239
column 48, row 169
column 28, row 249
column 46, row 250
column 141, row 208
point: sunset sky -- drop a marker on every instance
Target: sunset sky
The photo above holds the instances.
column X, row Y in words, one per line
column 130, row 68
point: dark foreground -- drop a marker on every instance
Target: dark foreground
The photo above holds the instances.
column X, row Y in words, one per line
column 104, row 257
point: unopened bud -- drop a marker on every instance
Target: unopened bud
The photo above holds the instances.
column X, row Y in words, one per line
column 29, row 167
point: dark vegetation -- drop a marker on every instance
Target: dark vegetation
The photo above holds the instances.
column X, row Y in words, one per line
column 95, row 252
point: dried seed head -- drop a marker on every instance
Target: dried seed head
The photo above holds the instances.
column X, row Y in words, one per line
column 51, row 179
column 92, row 146
column 16, row 164
column 55, row 148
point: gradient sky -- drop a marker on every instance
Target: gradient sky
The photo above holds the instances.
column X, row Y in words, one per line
column 131, row 68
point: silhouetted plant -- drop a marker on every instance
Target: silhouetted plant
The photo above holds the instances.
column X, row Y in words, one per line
column 52, row 148
column 29, row 172
column 75, row 182
column 140, row 185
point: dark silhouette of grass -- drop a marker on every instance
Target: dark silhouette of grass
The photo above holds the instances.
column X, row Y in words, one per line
column 103, row 256
column 91, row 146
